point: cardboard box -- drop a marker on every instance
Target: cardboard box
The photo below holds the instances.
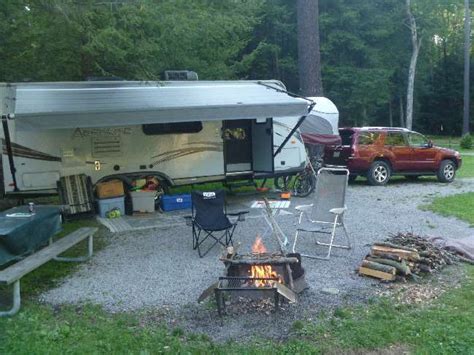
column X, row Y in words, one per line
column 108, row 189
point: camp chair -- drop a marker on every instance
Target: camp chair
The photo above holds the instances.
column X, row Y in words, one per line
column 76, row 195
column 327, row 213
column 210, row 220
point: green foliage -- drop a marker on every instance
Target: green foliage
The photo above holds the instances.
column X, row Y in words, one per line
column 365, row 48
column 466, row 141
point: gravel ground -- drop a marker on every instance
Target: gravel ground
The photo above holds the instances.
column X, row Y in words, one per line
column 157, row 273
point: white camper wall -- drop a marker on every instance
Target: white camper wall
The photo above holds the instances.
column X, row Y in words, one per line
column 293, row 155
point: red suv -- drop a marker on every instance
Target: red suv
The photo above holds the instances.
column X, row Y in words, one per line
column 380, row 152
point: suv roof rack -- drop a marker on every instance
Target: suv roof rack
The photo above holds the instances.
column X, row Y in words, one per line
column 385, row 128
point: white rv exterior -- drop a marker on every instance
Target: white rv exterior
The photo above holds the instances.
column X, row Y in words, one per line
column 198, row 132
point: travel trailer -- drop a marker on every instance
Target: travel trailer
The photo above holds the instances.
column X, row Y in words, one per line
column 180, row 132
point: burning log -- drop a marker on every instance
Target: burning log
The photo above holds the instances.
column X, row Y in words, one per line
column 261, row 261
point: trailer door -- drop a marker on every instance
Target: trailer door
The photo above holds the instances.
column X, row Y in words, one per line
column 262, row 146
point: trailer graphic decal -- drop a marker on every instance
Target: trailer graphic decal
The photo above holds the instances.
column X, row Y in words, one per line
column 179, row 153
column 25, row 152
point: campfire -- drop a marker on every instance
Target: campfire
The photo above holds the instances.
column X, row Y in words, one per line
column 260, row 275
column 265, row 271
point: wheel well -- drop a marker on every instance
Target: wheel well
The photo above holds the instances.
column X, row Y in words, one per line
column 385, row 160
column 452, row 159
column 129, row 177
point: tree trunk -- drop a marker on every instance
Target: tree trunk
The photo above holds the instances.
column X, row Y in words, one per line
column 402, row 115
column 467, row 50
column 309, row 55
column 390, row 114
column 416, row 44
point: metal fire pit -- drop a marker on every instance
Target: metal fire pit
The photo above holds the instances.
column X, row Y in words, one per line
column 244, row 284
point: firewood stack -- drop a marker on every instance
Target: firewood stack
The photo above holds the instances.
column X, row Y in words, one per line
column 404, row 256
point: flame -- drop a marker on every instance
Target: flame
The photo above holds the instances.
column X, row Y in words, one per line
column 258, row 246
column 266, row 271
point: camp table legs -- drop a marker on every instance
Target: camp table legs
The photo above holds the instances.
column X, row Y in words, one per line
column 90, row 251
column 16, row 301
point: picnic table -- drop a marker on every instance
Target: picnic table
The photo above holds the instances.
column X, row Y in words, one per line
column 22, row 232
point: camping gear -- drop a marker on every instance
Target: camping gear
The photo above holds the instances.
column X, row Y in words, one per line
column 22, row 232
column 143, row 201
column 327, row 212
column 109, row 189
column 75, row 193
column 209, row 220
column 109, row 204
column 175, row 202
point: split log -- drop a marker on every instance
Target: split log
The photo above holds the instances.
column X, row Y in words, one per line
column 377, row 274
column 379, row 267
column 387, row 256
column 404, row 254
column 395, row 246
column 401, row 267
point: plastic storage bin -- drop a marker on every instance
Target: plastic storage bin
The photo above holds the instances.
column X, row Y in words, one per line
column 108, row 204
column 143, row 201
column 175, row 202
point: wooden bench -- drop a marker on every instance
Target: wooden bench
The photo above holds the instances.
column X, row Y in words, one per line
column 13, row 273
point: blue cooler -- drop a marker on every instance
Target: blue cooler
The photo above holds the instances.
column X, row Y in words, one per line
column 175, row 202
column 108, row 204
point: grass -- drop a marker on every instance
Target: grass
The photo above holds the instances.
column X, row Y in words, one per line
column 460, row 206
column 444, row 327
column 467, row 168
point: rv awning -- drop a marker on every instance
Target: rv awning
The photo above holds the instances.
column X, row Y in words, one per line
column 106, row 104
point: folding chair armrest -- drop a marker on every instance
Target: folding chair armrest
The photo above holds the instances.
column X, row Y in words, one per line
column 240, row 215
column 338, row 211
column 304, row 208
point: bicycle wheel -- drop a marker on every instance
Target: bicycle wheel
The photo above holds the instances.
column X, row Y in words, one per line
column 282, row 182
column 304, row 184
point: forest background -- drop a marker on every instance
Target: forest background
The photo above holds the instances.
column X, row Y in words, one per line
column 365, row 49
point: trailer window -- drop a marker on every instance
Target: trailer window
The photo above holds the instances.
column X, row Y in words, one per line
column 172, row 128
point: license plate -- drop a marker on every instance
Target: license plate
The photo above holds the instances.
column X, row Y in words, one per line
column 336, row 154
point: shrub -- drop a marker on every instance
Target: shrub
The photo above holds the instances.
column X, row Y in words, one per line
column 466, row 141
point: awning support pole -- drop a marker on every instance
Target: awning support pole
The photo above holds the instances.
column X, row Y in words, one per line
column 8, row 144
column 300, row 121
column 295, row 128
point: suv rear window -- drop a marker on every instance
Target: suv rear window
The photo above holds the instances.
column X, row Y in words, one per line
column 368, row 138
column 346, row 137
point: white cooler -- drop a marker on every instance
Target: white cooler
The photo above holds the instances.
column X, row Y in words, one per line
column 143, row 201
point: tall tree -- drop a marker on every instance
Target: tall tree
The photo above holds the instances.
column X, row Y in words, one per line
column 309, row 55
column 416, row 45
column 467, row 52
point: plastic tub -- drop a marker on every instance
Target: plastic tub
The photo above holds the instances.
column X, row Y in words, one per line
column 143, row 201
column 175, row 202
column 108, row 204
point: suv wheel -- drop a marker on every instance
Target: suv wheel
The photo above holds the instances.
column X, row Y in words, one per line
column 446, row 171
column 379, row 173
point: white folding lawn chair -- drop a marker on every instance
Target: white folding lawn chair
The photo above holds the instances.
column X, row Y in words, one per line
column 327, row 212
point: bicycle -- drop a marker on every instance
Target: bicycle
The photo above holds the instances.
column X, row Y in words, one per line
column 303, row 183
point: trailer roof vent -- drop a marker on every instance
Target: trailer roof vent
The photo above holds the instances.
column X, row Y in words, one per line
column 180, row 75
